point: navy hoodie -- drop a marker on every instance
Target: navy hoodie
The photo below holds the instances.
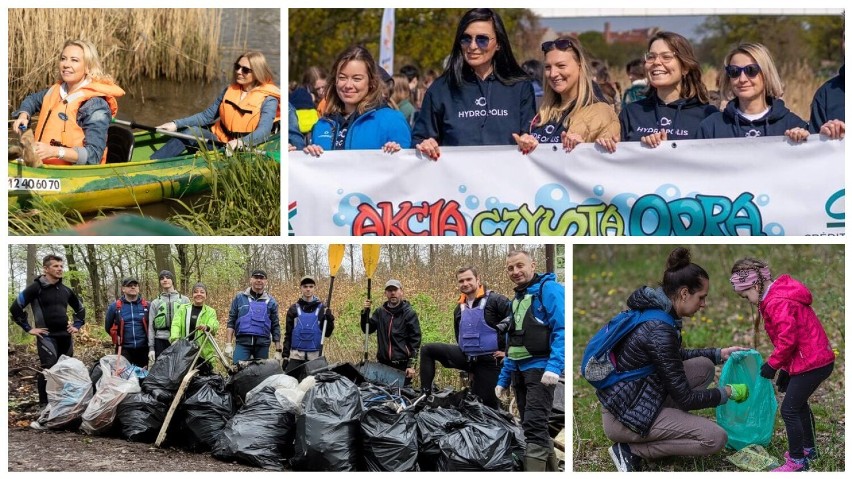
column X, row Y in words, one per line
column 829, row 101
column 729, row 123
column 481, row 112
column 649, row 115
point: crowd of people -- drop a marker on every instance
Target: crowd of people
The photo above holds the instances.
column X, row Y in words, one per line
column 499, row 341
column 484, row 97
column 74, row 114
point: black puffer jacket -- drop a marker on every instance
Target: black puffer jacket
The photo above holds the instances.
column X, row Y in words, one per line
column 636, row 404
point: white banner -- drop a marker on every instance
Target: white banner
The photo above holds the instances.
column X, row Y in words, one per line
column 386, row 41
column 748, row 186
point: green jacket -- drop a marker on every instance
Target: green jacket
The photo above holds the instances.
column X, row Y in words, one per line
column 207, row 318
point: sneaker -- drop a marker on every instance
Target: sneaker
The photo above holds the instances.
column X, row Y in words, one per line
column 625, row 461
column 810, row 455
column 792, row 465
column 38, row 426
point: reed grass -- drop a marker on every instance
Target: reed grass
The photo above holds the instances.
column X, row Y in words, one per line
column 245, row 198
column 176, row 44
column 42, row 218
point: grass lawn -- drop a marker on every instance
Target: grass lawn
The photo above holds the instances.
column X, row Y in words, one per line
column 605, row 275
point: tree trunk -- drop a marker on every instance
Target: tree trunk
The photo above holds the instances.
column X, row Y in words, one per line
column 550, row 257
column 352, row 262
column 90, row 259
column 32, row 263
column 183, row 263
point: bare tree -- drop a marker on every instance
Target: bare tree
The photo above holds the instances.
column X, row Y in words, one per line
column 90, row 259
column 74, row 281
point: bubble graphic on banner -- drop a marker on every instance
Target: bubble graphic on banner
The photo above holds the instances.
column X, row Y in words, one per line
column 598, row 190
column 471, row 202
column 553, row 196
column 462, row 188
column 668, row 191
column 763, row 200
column 774, row 229
column 348, row 208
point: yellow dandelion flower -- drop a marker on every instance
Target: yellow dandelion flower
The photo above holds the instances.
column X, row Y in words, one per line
column 611, row 292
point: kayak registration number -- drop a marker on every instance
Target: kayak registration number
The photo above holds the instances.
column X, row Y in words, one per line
column 37, row 184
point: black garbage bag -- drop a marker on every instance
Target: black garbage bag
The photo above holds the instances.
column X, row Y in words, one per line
column 432, row 425
column 474, row 409
column 389, row 439
column 169, row 369
column 141, row 415
column 476, row 447
column 261, row 433
column 204, row 413
column 327, row 430
column 251, row 374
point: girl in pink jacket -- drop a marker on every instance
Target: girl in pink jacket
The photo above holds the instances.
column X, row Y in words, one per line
column 802, row 351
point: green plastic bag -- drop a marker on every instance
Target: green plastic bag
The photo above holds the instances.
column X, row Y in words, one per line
column 753, row 420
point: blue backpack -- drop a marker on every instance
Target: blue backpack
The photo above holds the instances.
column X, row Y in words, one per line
column 599, row 361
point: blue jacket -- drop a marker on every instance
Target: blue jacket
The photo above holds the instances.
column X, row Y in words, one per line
column 729, row 124
column 829, row 101
column 680, row 118
column 135, row 334
column 551, row 305
column 294, row 136
column 94, row 117
column 239, row 308
column 369, row 131
column 481, row 112
column 260, row 134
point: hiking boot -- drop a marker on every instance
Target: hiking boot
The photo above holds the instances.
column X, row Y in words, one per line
column 38, row 426
column 625, row 461
column 792, row 465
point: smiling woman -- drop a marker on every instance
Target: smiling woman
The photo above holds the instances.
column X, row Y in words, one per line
column 356, row 116
column 74, row 114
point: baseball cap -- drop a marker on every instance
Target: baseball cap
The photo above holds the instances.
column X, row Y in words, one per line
column 385, row 76
column 128, row 281
column 167, row 274
column 393, row 283
column 259, row 272
column 307, row 279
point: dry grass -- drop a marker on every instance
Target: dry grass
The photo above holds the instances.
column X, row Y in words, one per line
column 176, row 44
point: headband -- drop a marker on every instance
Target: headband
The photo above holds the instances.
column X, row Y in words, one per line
column 746, row 278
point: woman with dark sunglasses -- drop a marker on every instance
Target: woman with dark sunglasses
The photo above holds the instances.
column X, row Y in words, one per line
column 677, row 99
column 570, row 113
column 753, row 89
column 483, row 97
column 243, row 115
column 357, row 116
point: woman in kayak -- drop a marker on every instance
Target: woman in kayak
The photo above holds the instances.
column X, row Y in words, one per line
column 243, row 115
column 74, row 113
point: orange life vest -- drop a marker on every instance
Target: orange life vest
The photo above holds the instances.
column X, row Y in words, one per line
column 58, row 132
column 239, row 117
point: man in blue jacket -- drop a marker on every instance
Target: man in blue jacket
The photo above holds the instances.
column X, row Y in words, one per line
column 127, row 323
column 253, row 318
column 536, row 354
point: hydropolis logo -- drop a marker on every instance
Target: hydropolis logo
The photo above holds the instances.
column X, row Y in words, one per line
column 480, row 110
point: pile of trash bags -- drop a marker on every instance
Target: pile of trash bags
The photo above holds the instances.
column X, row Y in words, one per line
column 265, row 418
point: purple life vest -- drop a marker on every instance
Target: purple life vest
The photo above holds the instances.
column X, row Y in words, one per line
column 476, row 337
column 256, row 320
column 307, row 334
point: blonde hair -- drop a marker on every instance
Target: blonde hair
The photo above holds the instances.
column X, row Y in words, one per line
column 400, row 89
column 551, row 109
column 772, row 85
column 259, row 68
column 91, row 59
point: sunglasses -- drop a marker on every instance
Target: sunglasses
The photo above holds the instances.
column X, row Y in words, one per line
column 482, row 41
column 240, row 68
column 734, row 71
column 561, row 44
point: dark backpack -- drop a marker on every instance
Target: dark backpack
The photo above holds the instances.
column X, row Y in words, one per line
column 599, row 366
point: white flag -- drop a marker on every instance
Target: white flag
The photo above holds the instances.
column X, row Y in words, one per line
column 386, row 44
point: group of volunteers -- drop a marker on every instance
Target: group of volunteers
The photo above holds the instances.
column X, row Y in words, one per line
column 484, row 97
column 499, row 341
column 74, row 114
column 656, row 381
